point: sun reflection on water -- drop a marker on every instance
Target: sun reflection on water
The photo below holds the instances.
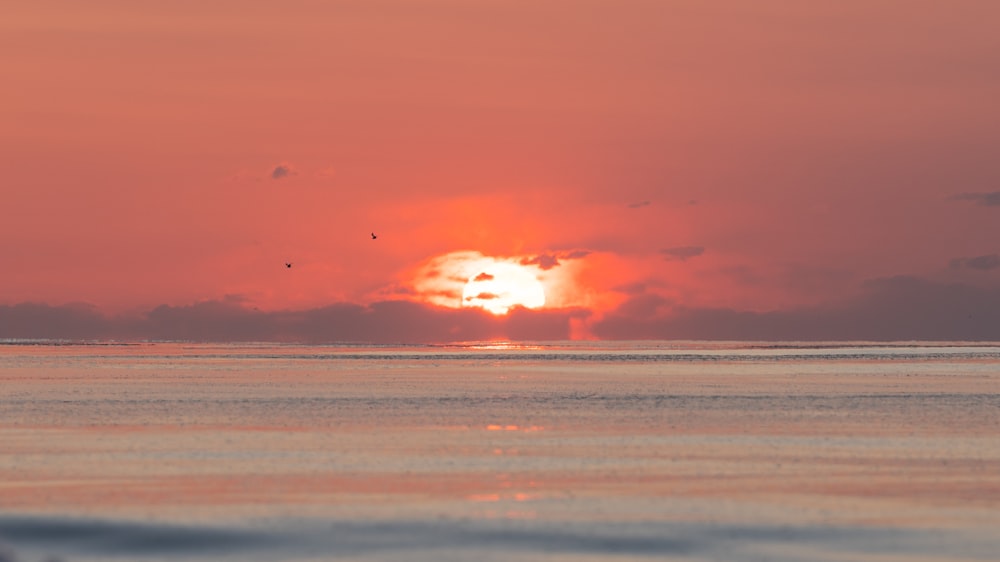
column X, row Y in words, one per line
column 513, row 427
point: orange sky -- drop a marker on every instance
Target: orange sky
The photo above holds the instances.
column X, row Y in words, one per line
column 785, row 162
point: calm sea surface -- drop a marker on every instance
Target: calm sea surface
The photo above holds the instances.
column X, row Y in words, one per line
column 569, row 451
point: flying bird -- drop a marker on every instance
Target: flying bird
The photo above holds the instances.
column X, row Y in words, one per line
column 373, row 236
column 288, row 264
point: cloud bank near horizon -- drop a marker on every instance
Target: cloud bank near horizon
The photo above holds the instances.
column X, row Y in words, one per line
column 890, row 309
column 227, row 321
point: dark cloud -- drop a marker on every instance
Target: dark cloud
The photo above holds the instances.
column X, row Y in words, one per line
column 643, row 306
column 42, row 321
column 543, row 261
column 682, row 253
column 386, row 321
column 990, row 199
column 638, row 204
column 548, row 261
column 892, row 309
column 207, row 321
column 281, row 171
column 222, row 321
column 896, row 308
column 982, row 263
column 538, row 325
column 483, row 277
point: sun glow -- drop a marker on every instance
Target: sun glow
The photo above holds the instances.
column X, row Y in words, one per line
column 500, row 286
column 497, row 284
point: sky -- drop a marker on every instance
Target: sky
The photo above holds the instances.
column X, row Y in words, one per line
column 660, row 169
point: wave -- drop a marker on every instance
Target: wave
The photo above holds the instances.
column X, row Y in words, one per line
column 68, row 538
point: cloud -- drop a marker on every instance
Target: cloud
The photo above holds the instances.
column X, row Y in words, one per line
column 282, row 171
column 982, row 263
column 525, row 324
column 483, row 277
column 991, row 199
column 548, row 261
column 390, row 321
column 682, row 253
column 543, row 261
column 42, row 321
column 643, row 306
column 638, row 204
column 890, row 309
column 483, row 296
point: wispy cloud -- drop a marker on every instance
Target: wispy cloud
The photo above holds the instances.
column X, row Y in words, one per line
column 988, row 199
column 638, row 204
column 982, row 263
column 682, row 253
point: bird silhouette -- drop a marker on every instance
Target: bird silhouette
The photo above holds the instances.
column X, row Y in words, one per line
column 287, row 264
column 373, row 236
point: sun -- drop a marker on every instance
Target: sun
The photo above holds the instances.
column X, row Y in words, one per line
column 469, row 279
column 500, row 286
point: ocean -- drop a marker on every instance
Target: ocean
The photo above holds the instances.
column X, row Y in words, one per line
column 499, row 451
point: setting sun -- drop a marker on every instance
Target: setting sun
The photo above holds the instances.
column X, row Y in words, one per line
column 500, row 286
column 469, row 279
